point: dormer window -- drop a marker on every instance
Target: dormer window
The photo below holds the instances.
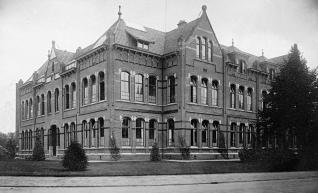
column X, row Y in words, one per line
column 271, row 74
column 143, row 45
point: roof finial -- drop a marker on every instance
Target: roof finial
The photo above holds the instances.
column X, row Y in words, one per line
column 119, row 12
column 232, row 41
column 262, row 52
column 204, row 8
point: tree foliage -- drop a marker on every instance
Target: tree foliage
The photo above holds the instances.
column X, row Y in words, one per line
column 114, row 149
column 75, row 158
column 154, row 154
column 38, row 150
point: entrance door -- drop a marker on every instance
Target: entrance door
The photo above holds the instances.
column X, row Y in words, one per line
column 53, row 135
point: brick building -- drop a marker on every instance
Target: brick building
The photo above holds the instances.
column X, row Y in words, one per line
column 140, row 86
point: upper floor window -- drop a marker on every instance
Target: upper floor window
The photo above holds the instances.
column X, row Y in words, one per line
column 93, row 89
column 241, row 97
column 42, row 104
column 204, row 48
column 31, row 108
column 263, row 104
column 232, row 96
column 242, row 66
column 101, row 78
column 215, row 87
column 210, row 51
column 204, row 44
column 152, row 89
column 249, row 99
column 67, row 96
column 204, row 91
column 171, row 89
column 56, row 99
column 85, row 91
column 193, row 89
column 49, row 96
column 73, row 85
column 271, row 74
column 143, row 45
column 26, row 109
column 198, row 47
column 22, row 110
column 241, row 133
column 124, row 86
column 139, row 88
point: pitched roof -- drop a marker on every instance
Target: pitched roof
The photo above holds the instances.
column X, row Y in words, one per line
column 279, row 59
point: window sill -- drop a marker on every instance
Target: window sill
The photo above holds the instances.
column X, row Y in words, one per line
column 90, row 104
column 205, row 61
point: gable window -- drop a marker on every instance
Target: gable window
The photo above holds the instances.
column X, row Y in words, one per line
column 249, row 99
column 232, row 96
column 67, row 97
column 42, row 104
column 193, row 89
column 204, row 44
column 142, row 45
column 271, row 74
column 139, row 88
column 204, row 91
column 198, row 47
column 56, row 99
column 124, row 85
column 85, row 91
column 49, row 102
column 242, row 66
column 171, row 89
column 101, row 78
column 22, row 110
column 241, row 97
column 31, row 108
column 215, row 87
column 152, row 89
column 210, row 51
column 38, row 106
column 73, row 85
column 93, row 88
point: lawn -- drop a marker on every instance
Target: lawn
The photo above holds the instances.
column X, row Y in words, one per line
column 54, row 168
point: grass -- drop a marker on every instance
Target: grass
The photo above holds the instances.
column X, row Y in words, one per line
column 127, row 168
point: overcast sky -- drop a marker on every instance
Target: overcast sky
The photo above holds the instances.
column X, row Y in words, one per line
column 28, row 27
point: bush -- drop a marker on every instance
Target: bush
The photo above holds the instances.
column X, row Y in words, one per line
column 11, row 146
column 75, row 158
column 4, row 155
column 114, row 149
column 183, row 148
column 247, row 155
column 38, row 151
column 154, row 154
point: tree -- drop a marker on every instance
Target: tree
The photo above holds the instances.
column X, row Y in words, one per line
column 11, row 146
column 290, row 103
column 38, row 151
column 114, row 149
column 154, row 154
column 75, row 158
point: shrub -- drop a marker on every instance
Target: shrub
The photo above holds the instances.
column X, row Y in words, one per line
column 114, row 149
column 4, row 155
column 38, row 151
column 75, row 158
column 11, row 146
column 183, row 148
column 154, row 154
column 247, row 155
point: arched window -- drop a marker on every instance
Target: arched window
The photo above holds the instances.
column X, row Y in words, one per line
column 42, row 136
column 66, row 136
column 125, row 86
column 42, row 104
column 271, row 74
column 215, row 130
column 31, row 139
column 93, row 88
column 73, row 132
column 233, row 135
column 49, row 96
column 140, row 126
column 204, row 134
column 210, row 51
column 171, row 89
column 125, row 127
column 170, row 132
column 139, row 88
column 67, row 97
column 198, row 47
column 241, row 97
column 73, row 86
column 101, row 126
column 27, row 109
column 101, row 78
column 215, row 87
column 263, row 104
column 250, row 131
column 31, row 108
column 85, row 91
column 204, row 44
column 241, row 133
column 194, row 132
column 152, row 89
column 22, row 110
column 56, row 99
column 22, row 140
column 92, row 129
column 152, row 128
column 85, row 134
column 242, row 66
column 249, row 99
column 232, row 96
column 204, row 91
column 193, row 89
column 38, row 105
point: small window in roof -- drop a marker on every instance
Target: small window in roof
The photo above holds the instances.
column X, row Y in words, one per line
column 142, row 45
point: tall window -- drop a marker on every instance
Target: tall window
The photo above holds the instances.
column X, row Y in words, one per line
column 49, row 98
column 241, row 133
column 232, row 135
column 170, row 132
column 263, row 104
column 204, row 91
column 204, row 134
column 215, row 87
column 249, row 99
column 241, row 97
column 101, row 78
column 101, row 127
column 38, row 104
column 193, row 89
column 125, row 131
column 194, row 132
column 204, row 44
column 67, row 96
column 66, row 136
column 250, row 131
column 31, row 108
column 125, row 86
column 271, row 74
column 73, row 85
column 85, row 91
column 210, row 51
column 152, row 126
column 152, row 89
column 140, row 125
column 242, row 66
column 42, row 104
column 232, row 96
column 22, row 110
column 93, row 89
column 198, row 47
column 73, row 133
column 27, row 109
column 171, row 89
column 85, row 134
column 215, row 130
column 56, row 99
column 139, row 88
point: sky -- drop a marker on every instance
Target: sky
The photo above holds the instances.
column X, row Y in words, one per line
column 27, row 29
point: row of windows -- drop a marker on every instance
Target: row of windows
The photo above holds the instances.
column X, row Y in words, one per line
column 204, row 49
column 204, row 91
column 91, row 93
column 241, row 94
column 27, row 138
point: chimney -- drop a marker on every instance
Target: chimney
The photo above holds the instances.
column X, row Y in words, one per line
column 181, row 23
column 53, row 44
column 78, row 49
